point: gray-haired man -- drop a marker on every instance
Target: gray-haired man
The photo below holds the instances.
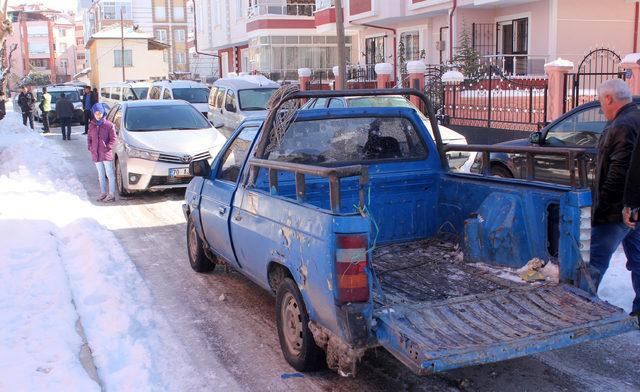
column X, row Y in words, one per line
column 614, row 156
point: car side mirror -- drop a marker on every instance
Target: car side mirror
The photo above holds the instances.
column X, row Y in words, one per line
column 200, row 168
column 230, row 108
column 535, row 138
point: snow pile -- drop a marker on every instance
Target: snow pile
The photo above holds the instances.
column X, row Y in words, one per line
column 616, row 287
column 59, row 266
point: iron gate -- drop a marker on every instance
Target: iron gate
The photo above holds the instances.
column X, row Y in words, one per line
column 596, row 67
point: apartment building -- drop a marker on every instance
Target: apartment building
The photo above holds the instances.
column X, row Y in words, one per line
column 81, row 56
column 274, row 37
column 167, row 20
column 518, row 35
column 46, row 42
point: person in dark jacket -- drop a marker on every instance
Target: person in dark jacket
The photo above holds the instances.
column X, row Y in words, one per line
column 612, row 166
column 27, row 103
column 89, row 98
column 64, row 113
column 3, row 108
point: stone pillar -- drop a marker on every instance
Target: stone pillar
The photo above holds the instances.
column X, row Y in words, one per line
column 304, row 77
column 383, row 72
column 337, row 83
column 631, row 65
column 416, row 70
column 556, row 71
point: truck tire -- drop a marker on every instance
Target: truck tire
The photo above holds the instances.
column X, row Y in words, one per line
column 195, row 249
column 296, row 340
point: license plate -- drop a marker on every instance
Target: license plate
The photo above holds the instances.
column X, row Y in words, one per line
column 179, row 172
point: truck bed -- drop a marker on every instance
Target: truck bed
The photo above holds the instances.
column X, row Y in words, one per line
column 430, row 270
column 437, row 313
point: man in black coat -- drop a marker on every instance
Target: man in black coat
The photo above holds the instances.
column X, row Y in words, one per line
column 612, row 166
column 89, row 98
column 64, row 112
column 27, row 103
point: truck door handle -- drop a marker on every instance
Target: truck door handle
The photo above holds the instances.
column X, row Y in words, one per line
column 221, row 210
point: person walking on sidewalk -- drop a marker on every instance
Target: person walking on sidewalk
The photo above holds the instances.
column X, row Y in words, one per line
column 27, row 104
column 45, row 108
column 64, row 113
column 611, row 185
column 3, row 107
column 100, row 141
column 88, row 100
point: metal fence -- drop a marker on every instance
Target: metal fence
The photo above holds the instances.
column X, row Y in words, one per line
column 496, row 101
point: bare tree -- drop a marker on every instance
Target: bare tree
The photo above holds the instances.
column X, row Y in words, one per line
column 6, row 63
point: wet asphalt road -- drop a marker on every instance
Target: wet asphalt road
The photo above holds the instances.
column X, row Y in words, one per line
column 224, row 315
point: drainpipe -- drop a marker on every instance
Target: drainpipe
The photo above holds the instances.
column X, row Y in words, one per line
column 195, row 37
column 453, row 9
column 635, row 29
column 395, row 45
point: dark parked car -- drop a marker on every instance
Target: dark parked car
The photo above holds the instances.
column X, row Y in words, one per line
column 580, row 128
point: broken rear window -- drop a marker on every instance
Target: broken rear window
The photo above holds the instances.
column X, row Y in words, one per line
column 336, row 141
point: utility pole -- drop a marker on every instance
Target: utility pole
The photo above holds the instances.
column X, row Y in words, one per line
column 342, row 59
column 122, row 42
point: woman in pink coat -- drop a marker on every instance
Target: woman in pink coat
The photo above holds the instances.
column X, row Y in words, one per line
column 101, row 140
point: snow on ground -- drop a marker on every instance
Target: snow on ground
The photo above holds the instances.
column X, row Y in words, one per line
column 616, row 285
column 59, row 265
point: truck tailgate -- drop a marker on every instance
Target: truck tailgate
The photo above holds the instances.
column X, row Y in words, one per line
column 488, row 327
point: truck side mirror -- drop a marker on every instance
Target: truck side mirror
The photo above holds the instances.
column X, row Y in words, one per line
column 535, row 138
column 200, row 168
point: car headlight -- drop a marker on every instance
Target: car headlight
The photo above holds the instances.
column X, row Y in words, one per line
column 134, row 152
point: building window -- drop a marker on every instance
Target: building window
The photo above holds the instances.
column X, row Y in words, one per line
column 63, row 47
column 63, row 32
column 37, row 31
column 160, row 12
column 181, row 58
column 178, row 35
column 161, row 35
column 178, row 13
column 64, row 65
column 111, row 10
column 38, row 48
column 80, row 56
column 374, row 50
column 411, row 42
column 39, row 63
column 239, row 9
column 117, row 58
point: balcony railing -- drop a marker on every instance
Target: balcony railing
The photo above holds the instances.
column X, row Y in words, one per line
column 281, row 10
column 517, row 64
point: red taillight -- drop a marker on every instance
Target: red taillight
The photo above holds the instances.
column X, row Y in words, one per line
column 351, row 263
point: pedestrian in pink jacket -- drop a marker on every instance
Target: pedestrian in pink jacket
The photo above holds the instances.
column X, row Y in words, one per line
column 101, row 140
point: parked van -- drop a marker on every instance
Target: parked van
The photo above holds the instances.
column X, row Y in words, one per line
column 117, row 92
column 71, row 93
column 233, row 99
column 195, row 93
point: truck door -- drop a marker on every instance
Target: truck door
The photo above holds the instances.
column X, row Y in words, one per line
column 218, row 192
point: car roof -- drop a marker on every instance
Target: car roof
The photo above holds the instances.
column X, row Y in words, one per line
column 155, row 102
column 180, row 84
column 62, row 88
column 246, row 82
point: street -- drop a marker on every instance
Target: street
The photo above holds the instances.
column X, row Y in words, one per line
column 223, row 318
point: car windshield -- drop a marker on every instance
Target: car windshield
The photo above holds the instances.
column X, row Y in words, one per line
column 341, row 140
column 375, row 102
column 193, row 95
column 141, row 92
column 255, row 98
column 164, row 117
column 70, row 95
column 582, row 129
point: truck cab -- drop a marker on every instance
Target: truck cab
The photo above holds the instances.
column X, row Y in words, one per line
column 352, row 218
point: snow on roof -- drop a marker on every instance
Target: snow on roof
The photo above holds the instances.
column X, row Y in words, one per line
column 116, row 34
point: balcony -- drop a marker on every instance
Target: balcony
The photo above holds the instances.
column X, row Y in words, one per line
column 278, row 10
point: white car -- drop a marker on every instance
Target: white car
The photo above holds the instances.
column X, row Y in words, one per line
column 458, row 161
column 195, row 93
column 70, row 92
column 156, row 142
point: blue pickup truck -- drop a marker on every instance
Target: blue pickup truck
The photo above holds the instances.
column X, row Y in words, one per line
column 353, row 220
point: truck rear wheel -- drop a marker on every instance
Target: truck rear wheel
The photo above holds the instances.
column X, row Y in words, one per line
column 296, row 340
column 195, row 248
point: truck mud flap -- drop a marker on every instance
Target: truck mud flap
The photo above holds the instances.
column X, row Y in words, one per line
column 448, row 334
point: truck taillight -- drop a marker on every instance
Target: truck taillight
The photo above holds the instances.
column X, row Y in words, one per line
column 351, row 263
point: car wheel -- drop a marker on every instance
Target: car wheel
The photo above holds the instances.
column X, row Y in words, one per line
column 195, row 248
column 122, row 191
column 501, row 171
column 296, row 340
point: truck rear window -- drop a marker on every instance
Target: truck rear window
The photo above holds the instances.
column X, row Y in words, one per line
column 342, row 140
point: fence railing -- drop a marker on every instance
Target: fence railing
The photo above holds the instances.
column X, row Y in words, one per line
column 275, row 9
column 581, row 88
column 496, row 101
column 517, row 64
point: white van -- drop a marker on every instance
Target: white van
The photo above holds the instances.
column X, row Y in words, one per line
column 233, row 99
column 117, row 92
column 195, row 93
